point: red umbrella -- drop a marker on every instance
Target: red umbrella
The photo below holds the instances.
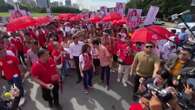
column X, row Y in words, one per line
column 20, row 23
column 112, row 17
column 42, row 20
column 115, row 16
column 115, row 22
column 65, row 16
column 75, row 18
column 95, row 19
column 122, row 21
column 107, row 19
column 150, row 34
column 119, row 22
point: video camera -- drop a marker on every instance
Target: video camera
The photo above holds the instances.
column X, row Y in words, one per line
column 162, row 94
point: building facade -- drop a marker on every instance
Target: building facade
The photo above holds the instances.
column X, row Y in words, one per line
column 68, row 3
column 42, row 3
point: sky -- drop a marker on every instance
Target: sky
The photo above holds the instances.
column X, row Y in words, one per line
column 94, row 4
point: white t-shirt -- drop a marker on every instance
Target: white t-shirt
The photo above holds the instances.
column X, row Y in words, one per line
column 81, row 61
column 75, row 49
column 9, row 52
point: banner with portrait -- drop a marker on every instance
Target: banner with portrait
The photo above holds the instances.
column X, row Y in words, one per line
column 134, row 18
column 103, row 11
column 151, row 16
column 120, row 8
column 16, row 13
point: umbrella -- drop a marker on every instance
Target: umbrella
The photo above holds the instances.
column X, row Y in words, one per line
column 42, row 20
column 75, row 18
column 20, row 23
column 112, row 17
column 119, row 22
column 65, row 16
column 115, row 16
column 107, row 19
column 95, row 19
column 150, row 34
column 122, row 21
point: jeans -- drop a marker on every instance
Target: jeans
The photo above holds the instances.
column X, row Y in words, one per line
column 105, row 71
column 137, row 83
column 76, row 60
column 64, row 70
column 51, row 95
column 87, row 78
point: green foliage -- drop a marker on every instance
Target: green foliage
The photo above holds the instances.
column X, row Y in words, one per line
column 63, row 9
column 167, row 7
column 5, row 7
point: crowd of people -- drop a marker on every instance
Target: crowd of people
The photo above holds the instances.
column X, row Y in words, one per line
column 47, row 53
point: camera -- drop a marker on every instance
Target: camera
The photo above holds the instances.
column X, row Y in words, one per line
column 162, row 94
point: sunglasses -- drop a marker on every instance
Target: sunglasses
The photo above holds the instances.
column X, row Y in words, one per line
column 182, row 53
column 149, row 46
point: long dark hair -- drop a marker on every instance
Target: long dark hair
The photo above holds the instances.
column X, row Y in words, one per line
column 84, row 48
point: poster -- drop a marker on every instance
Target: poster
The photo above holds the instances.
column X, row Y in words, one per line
column 151, row 16
column 103, row 11
column 17, row 13
column 134, row 18
column 120, row 8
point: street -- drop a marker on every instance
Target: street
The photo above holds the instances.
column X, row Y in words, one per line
column 72, row 97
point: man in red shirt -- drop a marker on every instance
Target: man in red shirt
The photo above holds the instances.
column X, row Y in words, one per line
column 44, row 72
column 9, row 68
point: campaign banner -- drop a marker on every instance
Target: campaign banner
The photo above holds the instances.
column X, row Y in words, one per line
column 103, row 11
column 16, row 13
column 120, row 8
column 151, row 16
column 134, row 18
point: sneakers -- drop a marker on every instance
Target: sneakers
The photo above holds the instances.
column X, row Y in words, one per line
column 85, row 91
column 108, row 88
column 124, row 84
column 118, row 80
column 22, row 100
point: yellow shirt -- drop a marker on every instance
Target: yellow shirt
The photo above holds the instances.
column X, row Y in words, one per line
column 175, row 71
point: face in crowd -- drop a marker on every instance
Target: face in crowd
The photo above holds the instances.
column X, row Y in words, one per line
column 2, row 49
column 184, row 55
column 148, row 47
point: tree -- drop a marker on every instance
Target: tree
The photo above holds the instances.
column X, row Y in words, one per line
column 167, row 7
column 5, row 7
column 63, row 9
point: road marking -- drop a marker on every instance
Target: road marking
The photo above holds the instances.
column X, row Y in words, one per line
column 33, row 93
column 76, row 105
column 110, row 92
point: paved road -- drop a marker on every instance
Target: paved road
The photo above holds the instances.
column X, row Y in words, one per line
column 72, row 98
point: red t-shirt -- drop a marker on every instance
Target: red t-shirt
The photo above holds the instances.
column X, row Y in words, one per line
column 50, row 46
column 19, row 44
column 42, row 39
column 45, row 71
column 9, row 65
column 12, row 47
column 56, row 53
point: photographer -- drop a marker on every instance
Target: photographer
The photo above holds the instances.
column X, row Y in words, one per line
column 153, row 96
column 177, row 65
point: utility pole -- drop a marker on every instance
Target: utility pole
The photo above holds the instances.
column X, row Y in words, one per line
column 48, row 9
